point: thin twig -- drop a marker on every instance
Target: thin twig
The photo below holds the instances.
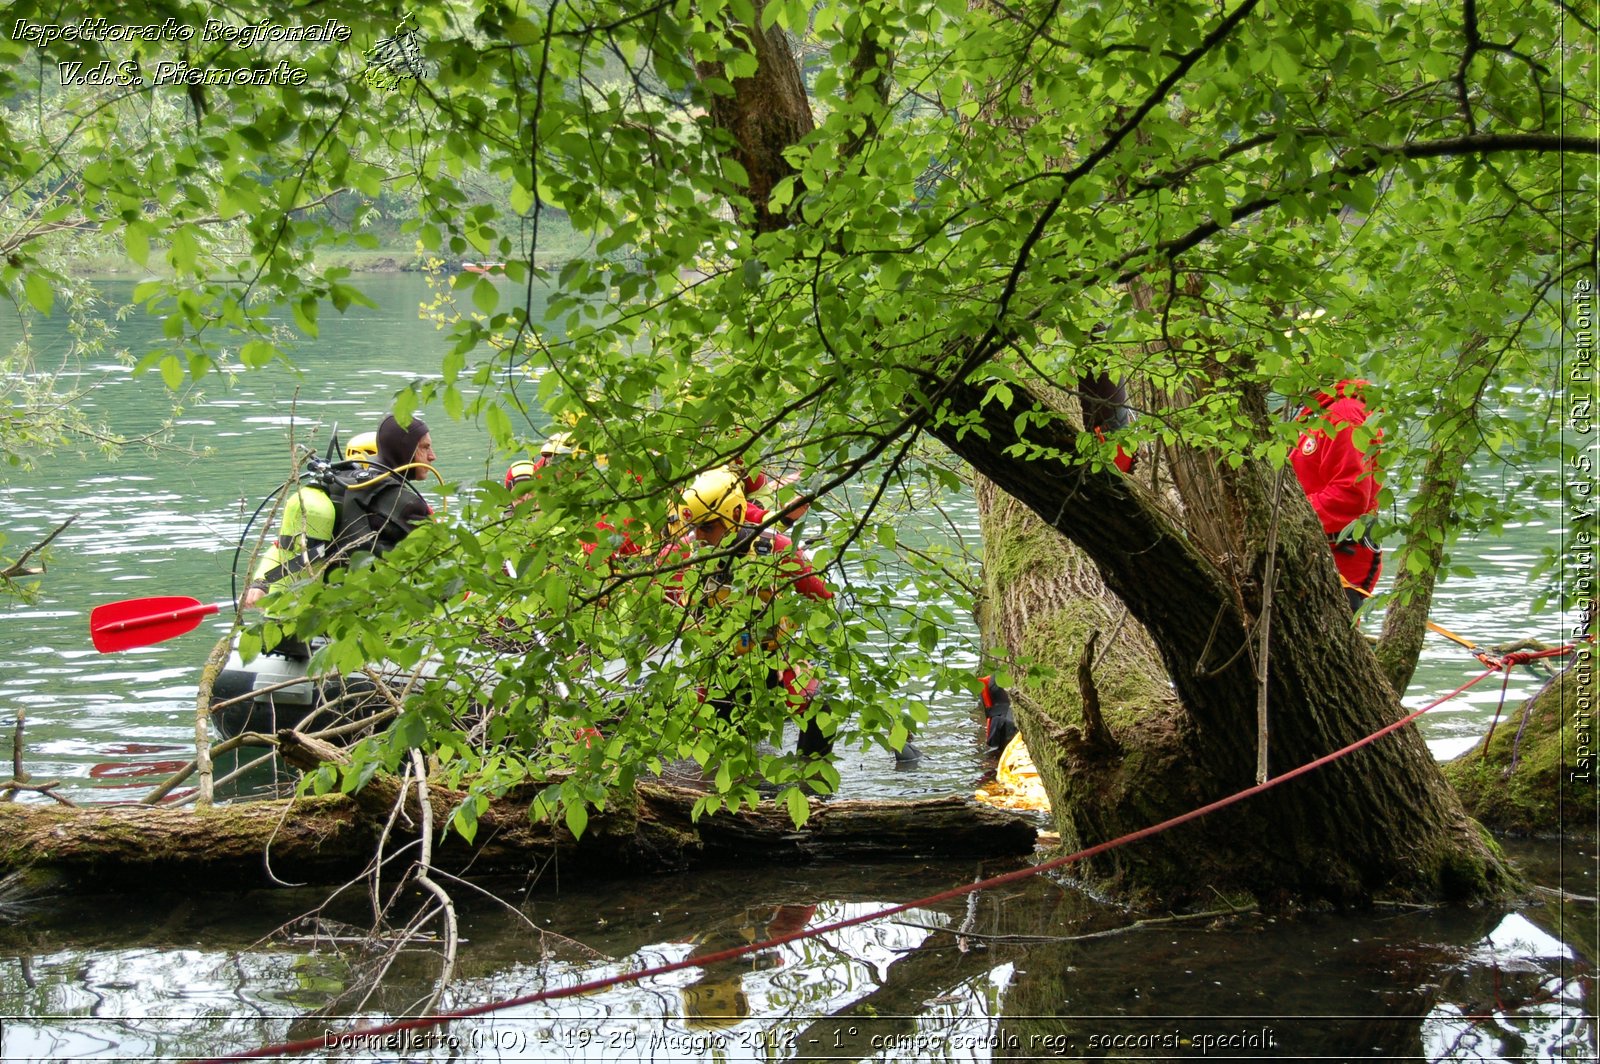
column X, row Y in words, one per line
column 202, row 718
column 230, row 777
column 46, row 789
column 19, row 567
column 172, row 781
column 1116, row 626
column 1269, row 578
column 1137, row 925
column 971, row 918
column 18, row 773
column 252, row 695
column 1557, row 892
column 266, row 851
column 424, row 866
column 251, row 739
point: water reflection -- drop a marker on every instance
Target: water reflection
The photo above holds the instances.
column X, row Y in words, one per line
column 1025, row 973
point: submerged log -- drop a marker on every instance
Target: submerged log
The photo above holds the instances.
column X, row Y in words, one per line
column 331, row 838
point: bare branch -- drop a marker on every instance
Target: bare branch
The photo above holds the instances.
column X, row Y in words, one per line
column 19, row 568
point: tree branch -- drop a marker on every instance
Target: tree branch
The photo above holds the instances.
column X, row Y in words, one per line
column 19, row 568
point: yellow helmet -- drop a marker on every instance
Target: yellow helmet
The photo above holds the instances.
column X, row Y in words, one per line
column 714, row 1005
column 717, row 495
column 362, row 446
column 558, row 443
column 519, row 471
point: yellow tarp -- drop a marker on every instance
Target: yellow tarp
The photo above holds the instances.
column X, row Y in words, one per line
column 1016, row 783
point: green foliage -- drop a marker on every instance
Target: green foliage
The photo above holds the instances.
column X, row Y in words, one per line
column 1215, row 206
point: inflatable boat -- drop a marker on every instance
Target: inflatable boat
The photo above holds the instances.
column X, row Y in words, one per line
column 275, row 691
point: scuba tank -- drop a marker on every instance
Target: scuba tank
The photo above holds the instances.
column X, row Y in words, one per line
column 375, row 507
column 336, row 507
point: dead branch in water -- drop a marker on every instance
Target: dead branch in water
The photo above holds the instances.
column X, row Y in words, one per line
column 20, row 567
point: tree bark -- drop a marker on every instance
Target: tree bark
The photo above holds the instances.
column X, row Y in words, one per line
column 765, row 113
column 1328, row 837
column 331, row 838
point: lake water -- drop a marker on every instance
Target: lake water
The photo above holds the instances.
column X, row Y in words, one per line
column 188, row 976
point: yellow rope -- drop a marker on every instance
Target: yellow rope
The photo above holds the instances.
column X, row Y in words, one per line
column 1441, row 629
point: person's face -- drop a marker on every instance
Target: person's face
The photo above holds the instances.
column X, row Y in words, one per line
column 711, row 533
column 424, row 454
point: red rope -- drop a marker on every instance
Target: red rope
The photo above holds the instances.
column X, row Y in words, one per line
column 1521, row 657
column 1509, row 662
column 364, row 1033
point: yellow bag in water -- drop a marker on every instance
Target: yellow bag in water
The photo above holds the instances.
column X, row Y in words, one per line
column 1016, row 783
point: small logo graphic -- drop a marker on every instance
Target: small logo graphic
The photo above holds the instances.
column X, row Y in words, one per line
column 1308, row 446
column 397, row 58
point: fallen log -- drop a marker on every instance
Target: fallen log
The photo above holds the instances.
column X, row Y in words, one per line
column 331, row 838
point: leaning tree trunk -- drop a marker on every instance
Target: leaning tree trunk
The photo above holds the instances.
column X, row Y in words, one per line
column 1044, row 601
column 1453, row 431
column 1331, row 835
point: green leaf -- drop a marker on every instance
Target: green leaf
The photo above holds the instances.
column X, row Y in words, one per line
column 305, row 315
column 577, row 815
column 405, row 405
column 799, row 809
column 136, row 240
column 409, row 731
column 256, row 353
column 499, row 425
column 465, row 820
column 172, row 372
column 484, row 295
column 39, row 291
column 324, row 779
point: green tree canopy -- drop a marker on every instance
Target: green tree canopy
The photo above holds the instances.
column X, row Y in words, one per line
column 945, row 211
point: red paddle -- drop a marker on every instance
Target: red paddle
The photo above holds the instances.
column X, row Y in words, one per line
column 141, row 622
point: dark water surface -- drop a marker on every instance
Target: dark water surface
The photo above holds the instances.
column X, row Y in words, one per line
column 187, row 974
column 1018, row 973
